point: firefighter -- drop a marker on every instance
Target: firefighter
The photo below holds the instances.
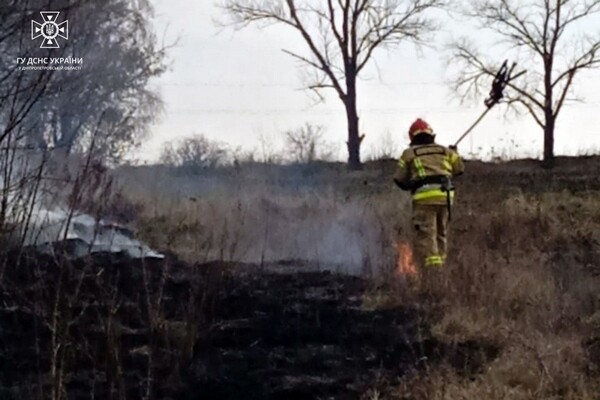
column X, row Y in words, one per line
column 426, row 169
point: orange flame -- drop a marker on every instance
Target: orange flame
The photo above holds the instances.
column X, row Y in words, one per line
column 405, row 265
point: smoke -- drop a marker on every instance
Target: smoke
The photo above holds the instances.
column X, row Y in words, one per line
column 84, row 234
column 35, row 191
column 339, row 236
column 268, row 215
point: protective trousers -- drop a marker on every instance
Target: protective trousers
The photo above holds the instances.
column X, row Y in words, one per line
column 430, row 222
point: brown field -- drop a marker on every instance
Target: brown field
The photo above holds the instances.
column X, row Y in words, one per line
column 281, row 283
column 523, row 275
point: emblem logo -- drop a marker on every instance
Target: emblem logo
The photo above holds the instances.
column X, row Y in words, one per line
column 49, row 30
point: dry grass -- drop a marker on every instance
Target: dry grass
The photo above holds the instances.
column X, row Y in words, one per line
column 523, row 272
column 524, row 275
column 261, row 216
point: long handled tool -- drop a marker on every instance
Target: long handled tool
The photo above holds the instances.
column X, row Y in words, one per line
column 502, row 79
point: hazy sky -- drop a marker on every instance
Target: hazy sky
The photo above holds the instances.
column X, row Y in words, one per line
column 238, row 87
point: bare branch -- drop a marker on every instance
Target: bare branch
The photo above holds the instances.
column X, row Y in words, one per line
column 303, row 59
column 589, row 59
column 342, row 36
column 587, row 9
column 248, row 12
column 530, row 108
column 325, row 66
column 391, row 25
column 541, row 28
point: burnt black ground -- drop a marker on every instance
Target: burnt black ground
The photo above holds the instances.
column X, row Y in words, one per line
column 307, row 336
column 116, row 328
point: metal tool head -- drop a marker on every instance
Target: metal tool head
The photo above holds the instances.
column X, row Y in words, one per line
column 503, row 78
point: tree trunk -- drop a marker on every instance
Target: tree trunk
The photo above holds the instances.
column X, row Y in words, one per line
column 548, row 161
column 354, row 137
column 67, row 134
column 549, row 116
column 354, row 141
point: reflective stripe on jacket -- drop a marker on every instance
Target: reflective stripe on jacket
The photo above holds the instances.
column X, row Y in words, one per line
column 425, row 161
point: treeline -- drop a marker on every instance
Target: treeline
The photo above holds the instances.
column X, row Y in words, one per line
column 303, row 145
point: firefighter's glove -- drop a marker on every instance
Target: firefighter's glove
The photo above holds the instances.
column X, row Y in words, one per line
column 403, row 185
column 453, row 147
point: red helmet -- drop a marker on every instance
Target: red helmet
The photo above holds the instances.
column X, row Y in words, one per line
column 419, row 126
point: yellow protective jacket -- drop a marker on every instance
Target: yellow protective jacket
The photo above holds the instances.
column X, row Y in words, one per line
column 422, row 167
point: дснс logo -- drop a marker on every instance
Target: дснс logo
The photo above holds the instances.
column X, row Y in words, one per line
column 50, row 30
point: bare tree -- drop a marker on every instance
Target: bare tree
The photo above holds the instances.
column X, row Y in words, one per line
column 269, row 152
column 341, row 36
column 122, row 55
column 543, row 32
column 195, row 151
column 305, row 143
column 103, row 107
column 45, row 108
column 20, row 91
